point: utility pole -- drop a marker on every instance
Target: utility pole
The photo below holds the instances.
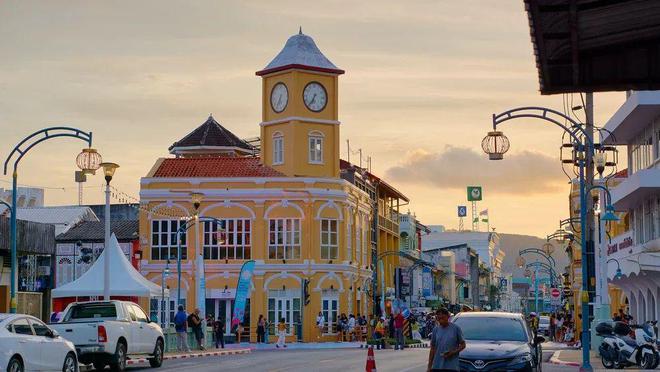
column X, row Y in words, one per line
column 588, row 281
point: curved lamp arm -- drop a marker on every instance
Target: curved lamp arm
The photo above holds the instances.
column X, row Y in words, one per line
column 547, row 115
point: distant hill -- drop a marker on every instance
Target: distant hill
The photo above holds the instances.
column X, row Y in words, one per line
column 511, row 244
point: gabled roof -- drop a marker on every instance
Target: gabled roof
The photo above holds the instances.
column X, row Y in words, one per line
column 210, row 136
column 214, row 167
column 95, row 231
column 300, row 51
column 63, row 218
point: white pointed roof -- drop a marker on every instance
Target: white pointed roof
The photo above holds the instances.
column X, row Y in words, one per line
column 125, row 280
column 300, row 51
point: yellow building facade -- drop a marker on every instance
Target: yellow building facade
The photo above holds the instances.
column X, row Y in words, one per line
column 283, row 205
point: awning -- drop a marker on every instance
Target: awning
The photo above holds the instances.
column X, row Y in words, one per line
column 125, row 280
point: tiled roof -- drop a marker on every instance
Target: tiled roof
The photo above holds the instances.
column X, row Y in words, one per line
column 211, row 134
column 215, row 167
column 95, row 231
column 300, row 51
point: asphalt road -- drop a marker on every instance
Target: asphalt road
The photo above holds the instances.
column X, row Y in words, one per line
column 343, row 360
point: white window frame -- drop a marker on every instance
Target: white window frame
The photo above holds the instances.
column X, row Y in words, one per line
column 169, row 233
column 237, row 239
column 276, row 298
column 327, row 233
column 365, row 240
column 349, row 240
column 278, row 148
column 330, row 296
column 315, row 147
column 284, row 234
column 358, row 239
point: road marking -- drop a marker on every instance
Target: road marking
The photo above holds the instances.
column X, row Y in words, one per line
column 415, row 367
column 326, row 360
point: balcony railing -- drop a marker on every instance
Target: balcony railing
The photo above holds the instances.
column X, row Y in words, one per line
column 388, row 224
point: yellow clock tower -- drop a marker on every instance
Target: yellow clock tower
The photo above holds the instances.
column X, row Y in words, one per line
column 300, row 126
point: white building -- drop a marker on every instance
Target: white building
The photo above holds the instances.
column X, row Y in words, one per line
column 636, row 125
column 26, row 197
column 486, row 244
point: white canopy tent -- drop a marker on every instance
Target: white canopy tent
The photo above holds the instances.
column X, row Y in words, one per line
column 125, row 280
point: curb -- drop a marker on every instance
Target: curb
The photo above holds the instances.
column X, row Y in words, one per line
column 423, row 345
column 554, row 359
column 135, row 361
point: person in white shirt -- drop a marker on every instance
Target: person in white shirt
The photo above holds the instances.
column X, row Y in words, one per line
column 351, row 326
column 320, row 324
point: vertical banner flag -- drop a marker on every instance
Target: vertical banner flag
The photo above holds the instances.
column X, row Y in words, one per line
column 381, row 268
column 242, row 290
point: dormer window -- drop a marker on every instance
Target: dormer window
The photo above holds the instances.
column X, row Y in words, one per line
column 315, row 147
column 278, row 148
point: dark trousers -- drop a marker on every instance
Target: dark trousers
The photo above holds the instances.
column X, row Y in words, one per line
column 219, row 339
column 261, row 333
column 399, row 338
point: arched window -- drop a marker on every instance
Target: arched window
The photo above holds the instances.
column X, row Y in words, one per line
column 278, row 148
column 315, row 147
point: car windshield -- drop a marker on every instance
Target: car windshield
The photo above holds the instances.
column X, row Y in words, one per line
column 491, row 328
column 87, row 311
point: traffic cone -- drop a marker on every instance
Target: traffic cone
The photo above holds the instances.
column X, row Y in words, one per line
column 371, row 361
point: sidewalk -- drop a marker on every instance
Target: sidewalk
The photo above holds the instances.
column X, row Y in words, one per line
column 573, row 357
column 307, row 345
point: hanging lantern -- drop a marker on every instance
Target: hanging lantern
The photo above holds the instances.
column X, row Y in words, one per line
column 520, row 261
column 495, row 144
column 89, row 160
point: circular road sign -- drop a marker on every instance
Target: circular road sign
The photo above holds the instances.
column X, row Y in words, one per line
column 555, row 293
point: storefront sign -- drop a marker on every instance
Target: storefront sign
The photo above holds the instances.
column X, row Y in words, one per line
column 619, row 243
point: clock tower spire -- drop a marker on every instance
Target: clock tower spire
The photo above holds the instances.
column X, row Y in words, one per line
column 300, row 126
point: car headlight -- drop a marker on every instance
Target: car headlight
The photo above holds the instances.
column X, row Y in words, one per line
column 522, row 358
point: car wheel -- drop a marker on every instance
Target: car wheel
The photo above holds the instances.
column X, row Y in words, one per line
column 157, row 359
column 15, row 365
column 70, row 363
column 119, row 362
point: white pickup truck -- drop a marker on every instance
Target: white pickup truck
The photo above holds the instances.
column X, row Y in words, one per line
column 110, row 332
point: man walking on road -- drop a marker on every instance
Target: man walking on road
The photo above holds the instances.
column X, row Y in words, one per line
column 398, row 331
column 446, row 343
column 180, row 320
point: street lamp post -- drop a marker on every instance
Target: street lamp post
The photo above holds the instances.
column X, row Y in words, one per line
column 16, row 155
column 163, row 307
column 495, row 144
column 108, row 171
column 200, row 284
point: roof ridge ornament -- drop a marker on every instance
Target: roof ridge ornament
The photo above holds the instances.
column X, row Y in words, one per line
column 300, row 31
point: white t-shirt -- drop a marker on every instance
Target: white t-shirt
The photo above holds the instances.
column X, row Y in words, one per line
column 351, row 323
column 320, row 320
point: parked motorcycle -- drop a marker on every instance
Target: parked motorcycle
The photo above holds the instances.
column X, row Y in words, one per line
column 619, row 350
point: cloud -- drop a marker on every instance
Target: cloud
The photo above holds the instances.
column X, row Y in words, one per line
column 523, row 173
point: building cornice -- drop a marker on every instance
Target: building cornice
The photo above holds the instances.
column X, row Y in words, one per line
column 299, row 118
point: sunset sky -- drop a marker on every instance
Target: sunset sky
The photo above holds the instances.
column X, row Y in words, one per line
column 422, row 81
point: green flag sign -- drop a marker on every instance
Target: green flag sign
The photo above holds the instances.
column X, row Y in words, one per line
column 474, row 193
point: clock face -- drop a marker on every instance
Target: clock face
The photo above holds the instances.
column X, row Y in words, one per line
column 279, row 97
column 315, row 97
